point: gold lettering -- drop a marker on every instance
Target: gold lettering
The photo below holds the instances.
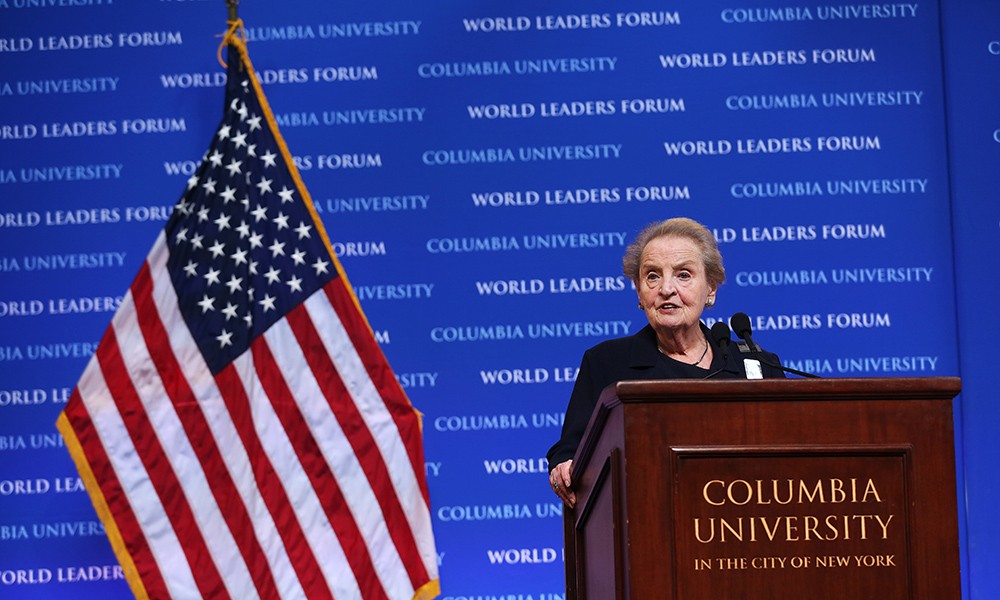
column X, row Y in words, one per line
column 791, row 531
column 760, row 493
column 817, row 491
column 791, row 528
column 870, row 489
column 741, row 492
column 749, row 491
column 697, row 530
column 810, row 525
column 884, row 525
column 837, row 494
column 704, row 492
column 770, row 532
column 864, row 525
column 831, row 524
column 738, row 534
column 790, row 491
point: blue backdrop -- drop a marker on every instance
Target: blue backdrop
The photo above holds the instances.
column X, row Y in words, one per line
column 480, row 167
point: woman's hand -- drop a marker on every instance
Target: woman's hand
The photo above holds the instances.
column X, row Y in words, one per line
column 560, row 482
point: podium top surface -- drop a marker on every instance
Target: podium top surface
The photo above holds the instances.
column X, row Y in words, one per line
column 686, row 390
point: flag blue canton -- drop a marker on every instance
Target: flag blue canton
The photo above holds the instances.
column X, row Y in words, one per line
column 244, row 249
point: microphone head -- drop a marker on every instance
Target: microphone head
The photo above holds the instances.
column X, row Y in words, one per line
column 741, row 324
column 720, row 334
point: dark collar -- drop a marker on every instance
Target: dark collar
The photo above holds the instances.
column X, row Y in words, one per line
column 643, row 352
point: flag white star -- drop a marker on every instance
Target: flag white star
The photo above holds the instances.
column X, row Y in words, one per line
column 320, row 266
column 224, row 131
column 264, row 185
column 272, row 275
column 268, row 302
column 286, row 194
column 281, row 221
column 277, row 248
column 212, row 276
column 225, row 339
column 234, row 284
column 299, row 257
column 240, row 139
column 196, row 240
column 243, row 229
column 255, row 240
column 303, row 230
column 206, row 303
column 295, row 284
column 192, row 181
column 259, row 213
column 228, row 194
column 254, row 122
column 234, row 167
column 268, row 159
column 217, row 249
column 191, row 268
column 240, row 256
column 222, row 222
column 215, row 158
column 209, row 186
column 230, row 311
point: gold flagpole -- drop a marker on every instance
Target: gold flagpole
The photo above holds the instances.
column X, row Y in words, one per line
column 234, row 9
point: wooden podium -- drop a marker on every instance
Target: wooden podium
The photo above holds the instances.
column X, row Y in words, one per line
column 767, row 489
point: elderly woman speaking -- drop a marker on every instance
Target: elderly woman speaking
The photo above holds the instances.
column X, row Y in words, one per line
column 677, row 270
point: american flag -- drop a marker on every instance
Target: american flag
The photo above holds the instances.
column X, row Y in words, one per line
column 239, row 430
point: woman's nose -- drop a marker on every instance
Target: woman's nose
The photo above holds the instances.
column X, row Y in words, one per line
column 667, row 287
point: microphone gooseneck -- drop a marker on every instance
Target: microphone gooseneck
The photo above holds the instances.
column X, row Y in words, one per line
column 741, row 325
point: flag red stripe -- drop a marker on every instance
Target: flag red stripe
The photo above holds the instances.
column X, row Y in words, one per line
column 288, row 527
column 381, row 375
column 323, row 481
column 161, row 474
column 114, row 496
column 361, row 440
column 199, row 434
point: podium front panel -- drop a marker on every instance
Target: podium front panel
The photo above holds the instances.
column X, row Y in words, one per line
column 791, row 522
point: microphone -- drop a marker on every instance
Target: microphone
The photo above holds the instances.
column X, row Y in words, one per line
column 741, row 325
column 720, row 335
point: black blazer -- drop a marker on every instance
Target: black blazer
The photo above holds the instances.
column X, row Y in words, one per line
column 637, row 357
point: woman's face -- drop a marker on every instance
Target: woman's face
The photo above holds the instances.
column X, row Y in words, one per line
column 672, row 284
